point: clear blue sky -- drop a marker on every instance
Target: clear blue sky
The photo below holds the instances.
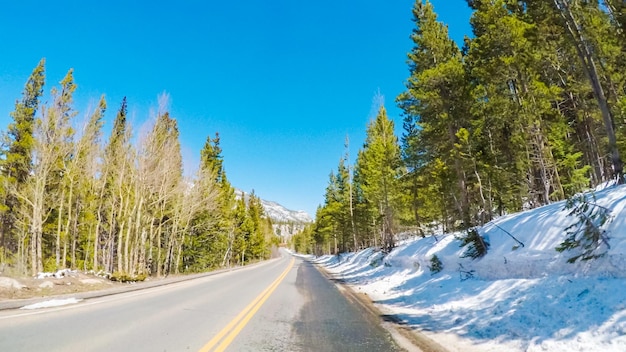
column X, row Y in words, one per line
column 282, row 81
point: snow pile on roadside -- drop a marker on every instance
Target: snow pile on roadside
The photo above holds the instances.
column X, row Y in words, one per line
column 59, row 274
column 516, row 298
column 52, row 303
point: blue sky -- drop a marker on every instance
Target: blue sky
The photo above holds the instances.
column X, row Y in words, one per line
column 282, row 81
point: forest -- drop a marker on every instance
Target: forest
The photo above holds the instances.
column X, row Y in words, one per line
column 530, row 110
column 120, row 206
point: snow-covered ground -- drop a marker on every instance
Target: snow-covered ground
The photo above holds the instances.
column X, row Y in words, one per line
column 52, row 303
column 516, row 298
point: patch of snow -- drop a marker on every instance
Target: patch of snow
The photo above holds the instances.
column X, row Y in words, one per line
column 7, row 282
column 515, row 298
column 59, row 274
column 52, row 303
column 101, row 273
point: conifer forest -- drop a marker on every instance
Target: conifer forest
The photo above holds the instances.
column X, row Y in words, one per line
column 530, row 110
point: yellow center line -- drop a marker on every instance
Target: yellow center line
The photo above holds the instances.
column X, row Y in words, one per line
column 239, row 322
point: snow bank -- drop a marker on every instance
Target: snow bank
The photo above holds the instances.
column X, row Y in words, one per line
column 52, row 303
column 59, row 274
column 515, row 298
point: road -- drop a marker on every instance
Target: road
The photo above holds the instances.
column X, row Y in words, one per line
column 281, row 305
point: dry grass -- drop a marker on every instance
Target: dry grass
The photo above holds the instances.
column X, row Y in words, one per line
column 32, row 287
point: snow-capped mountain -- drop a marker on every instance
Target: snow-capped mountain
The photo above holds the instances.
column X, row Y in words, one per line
column 286, row 222
column 278, row 213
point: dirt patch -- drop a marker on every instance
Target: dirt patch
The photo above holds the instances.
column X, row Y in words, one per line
column 29, row 287
column 66, row 282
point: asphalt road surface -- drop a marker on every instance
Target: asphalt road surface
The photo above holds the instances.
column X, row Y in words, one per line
column 280, row 305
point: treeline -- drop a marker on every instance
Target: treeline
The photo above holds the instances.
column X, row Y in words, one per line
column 531, row 110
column 71, row 200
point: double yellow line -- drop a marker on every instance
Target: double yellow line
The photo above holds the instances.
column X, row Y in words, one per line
column 239, row 322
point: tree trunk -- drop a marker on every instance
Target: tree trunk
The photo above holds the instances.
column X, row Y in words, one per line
column 141, row 260
column 96, row 239
column 463, row 205
column 57, row 248
column 589, row 67
column 69, row 221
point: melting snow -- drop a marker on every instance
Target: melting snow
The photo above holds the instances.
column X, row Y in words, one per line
column 52, row 303
column 513, row 299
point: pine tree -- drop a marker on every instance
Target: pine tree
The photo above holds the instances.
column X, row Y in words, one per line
column 413, row 157
column 19, row 139
column 211, row 157
column 16, row 163
column 331, row 212
column 476, row 244
column 258, row 248
column 211, row 242
column 587, row 50
column 364, row 212
column 586, row 236
column 241, row 232
column 379, row 166
column 303, row 241
column 52, row 138
column 435, row 265
column 345, row 216
column 435, row 107
column 337, row 209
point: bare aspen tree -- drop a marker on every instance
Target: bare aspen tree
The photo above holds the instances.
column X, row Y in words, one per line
column 160, row 164
column 87, row 165
column 51, row 133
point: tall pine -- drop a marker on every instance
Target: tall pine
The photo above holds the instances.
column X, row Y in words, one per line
column 16, row 163
column 379, row 167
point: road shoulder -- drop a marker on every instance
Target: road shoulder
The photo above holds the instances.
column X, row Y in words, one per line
column 407, row 338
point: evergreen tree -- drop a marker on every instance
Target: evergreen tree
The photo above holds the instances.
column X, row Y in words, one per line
column 211, row 242
column 52, row 137
column 379, row 167
column 18, row 141
column 258, row 248
column 16, row 163
column 586, row 236
column 337, row 209
column 476, row 244
column 241, row 232
column 436, row 107
column 580, row 14
column 331, row 213
column 345, row 216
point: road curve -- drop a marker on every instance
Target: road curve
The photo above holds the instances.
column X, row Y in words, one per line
column 280, row 305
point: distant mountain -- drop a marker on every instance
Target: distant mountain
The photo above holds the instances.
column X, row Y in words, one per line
column 286, row 222
column 279, row 213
